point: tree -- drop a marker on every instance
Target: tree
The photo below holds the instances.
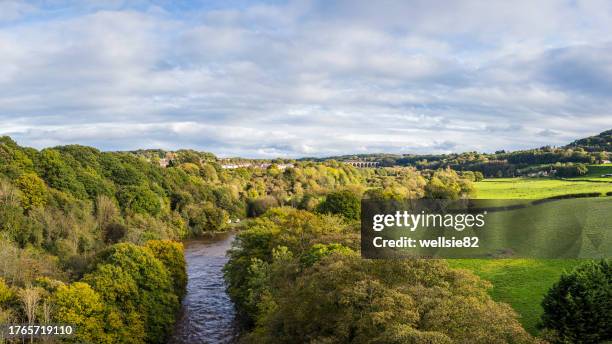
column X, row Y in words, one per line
column 578, row 308
column 344, row 203
column 30, row 297
column 140, row 200
column 257, row 207
column 447, row 184
column 114, row 232
column 205, row 217
column 79, row 305
column 33, row 189
column 106, row 211
column 171, row 254
column 345, row 299
column 58, row 174
column 135, row 282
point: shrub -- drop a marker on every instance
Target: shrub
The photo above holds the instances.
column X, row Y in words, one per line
column 578, row 308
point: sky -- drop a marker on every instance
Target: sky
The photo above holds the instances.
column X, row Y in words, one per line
column 305, row 78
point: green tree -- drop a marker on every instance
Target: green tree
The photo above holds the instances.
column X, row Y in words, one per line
column 578, row 308
column 345, row 299
column 140, row 200
column 344, row 203
column 79, row 305
column 447, row 184
column 171, row 254
column 205, row 217
column 133, row 280
column 58, row 174
column 33, row 190
column 257, row 207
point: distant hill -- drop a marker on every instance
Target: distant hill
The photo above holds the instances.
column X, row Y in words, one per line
column 588, row 150
column 597, row 143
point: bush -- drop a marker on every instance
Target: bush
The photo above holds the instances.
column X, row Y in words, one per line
column 571, row 170
column 578, row 308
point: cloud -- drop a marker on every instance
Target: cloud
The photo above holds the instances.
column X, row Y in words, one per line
column 305, row 78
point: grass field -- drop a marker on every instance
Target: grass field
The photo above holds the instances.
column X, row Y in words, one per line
column 522, row 283
column 536, row 188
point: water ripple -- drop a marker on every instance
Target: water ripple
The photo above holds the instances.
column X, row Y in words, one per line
column 208, row 314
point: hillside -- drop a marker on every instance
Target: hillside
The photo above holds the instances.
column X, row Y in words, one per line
column 589, row 150
column 597, row 143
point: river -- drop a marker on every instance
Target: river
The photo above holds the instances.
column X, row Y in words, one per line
column 207, row 314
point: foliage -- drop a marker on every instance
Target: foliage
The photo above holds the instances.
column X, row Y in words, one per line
column 344, row 203
column 79, row 305
column 294, row 229
column 573, row 170
column 295, row 277
column 171, row 254
column 257, row 207
column 138, row 287
column 114, row 232
column 33, row 191
column 205, row 217
column 344, row 299
column 578, row 308
column 139, row 199
column 63, row 211
column 447, row 184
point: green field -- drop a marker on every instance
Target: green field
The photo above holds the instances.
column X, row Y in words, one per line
column 536, row 188
column 522, row 283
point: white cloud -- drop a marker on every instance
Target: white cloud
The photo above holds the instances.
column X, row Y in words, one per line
column 306, row 78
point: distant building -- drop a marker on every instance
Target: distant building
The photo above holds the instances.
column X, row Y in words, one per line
column 236, row 165
column 248, row 164
column 164, row 162
column 538, row 174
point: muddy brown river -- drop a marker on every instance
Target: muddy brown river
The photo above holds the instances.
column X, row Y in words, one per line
column 207, row 314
